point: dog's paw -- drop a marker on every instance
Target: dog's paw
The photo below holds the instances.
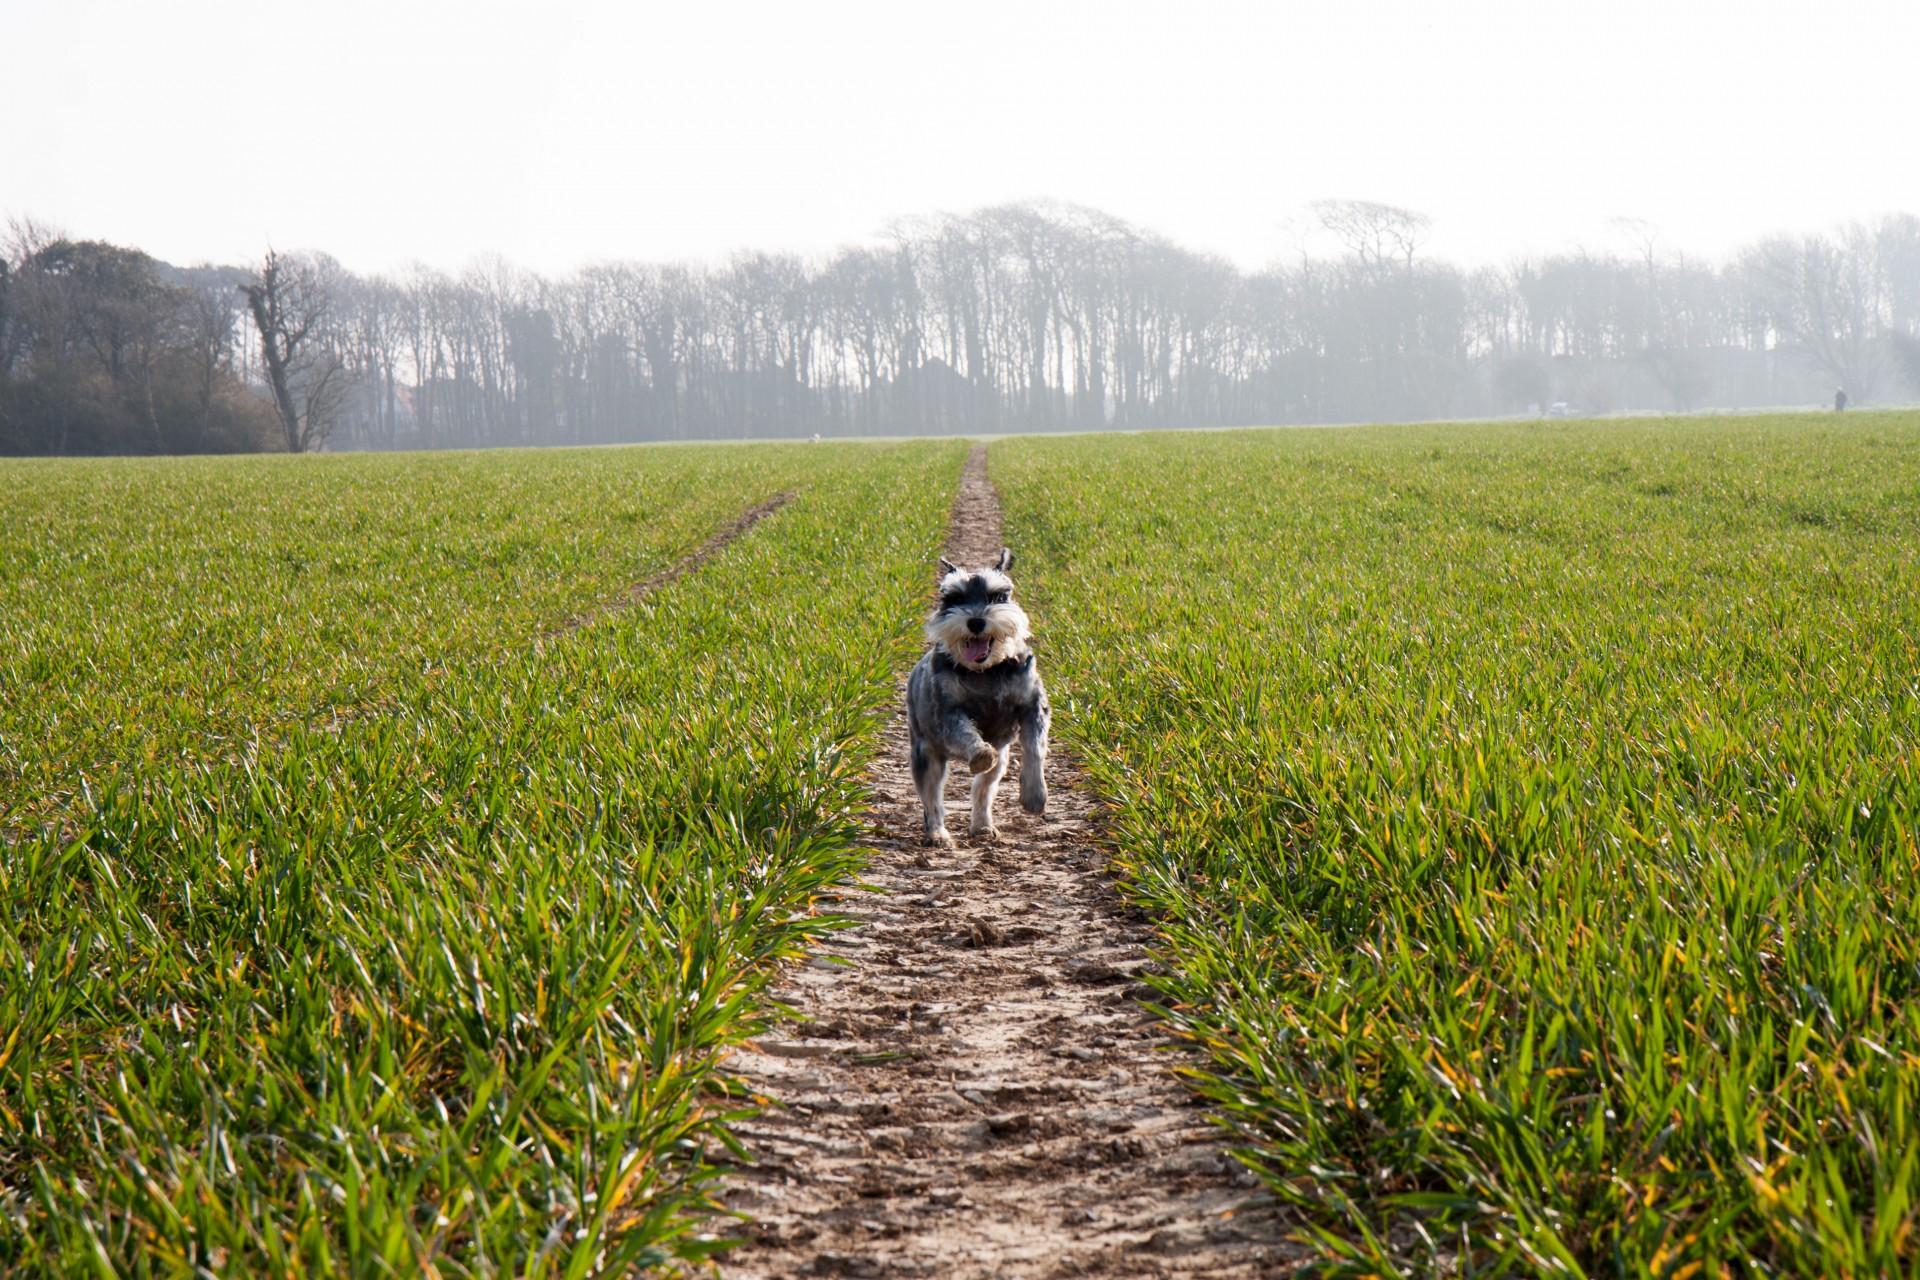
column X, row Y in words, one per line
column 984, row 759
column 1033, row 796
column 942, row 838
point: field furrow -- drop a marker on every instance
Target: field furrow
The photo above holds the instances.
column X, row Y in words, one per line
column 157, row 609
column 444, row 988
column 977, row 1093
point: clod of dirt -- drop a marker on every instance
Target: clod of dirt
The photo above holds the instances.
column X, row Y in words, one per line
column 983, row 934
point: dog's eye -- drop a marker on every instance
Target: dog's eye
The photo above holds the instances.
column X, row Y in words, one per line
column 951, row 602
column 998, row 597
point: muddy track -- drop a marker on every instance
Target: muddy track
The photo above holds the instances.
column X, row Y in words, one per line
column 978, row 1092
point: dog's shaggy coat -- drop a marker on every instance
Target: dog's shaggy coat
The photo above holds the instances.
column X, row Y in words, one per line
column 975, row 690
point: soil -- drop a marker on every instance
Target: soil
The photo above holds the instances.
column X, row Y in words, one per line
column 978, row 1091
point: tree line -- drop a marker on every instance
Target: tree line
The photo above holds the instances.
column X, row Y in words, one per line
column 1030, row 317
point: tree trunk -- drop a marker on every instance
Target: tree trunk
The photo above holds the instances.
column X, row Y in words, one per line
column 259, row 301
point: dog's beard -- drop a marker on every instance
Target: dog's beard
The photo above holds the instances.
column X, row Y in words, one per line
column 1005, row 636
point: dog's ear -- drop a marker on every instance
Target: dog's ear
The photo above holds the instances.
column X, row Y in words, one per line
column 1006, row 560
column 947, row 566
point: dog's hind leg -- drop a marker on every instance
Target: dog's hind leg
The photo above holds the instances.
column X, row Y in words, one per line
column 1033, row 759
column 930, row 780
column 985, row 785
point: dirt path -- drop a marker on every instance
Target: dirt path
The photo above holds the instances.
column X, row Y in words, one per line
column 979, row 1093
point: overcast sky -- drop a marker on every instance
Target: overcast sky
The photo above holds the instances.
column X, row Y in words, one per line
column 574, row 130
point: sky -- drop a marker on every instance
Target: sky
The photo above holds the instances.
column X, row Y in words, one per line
column 573, row 131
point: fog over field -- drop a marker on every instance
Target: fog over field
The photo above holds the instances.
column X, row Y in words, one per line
column 612, row 223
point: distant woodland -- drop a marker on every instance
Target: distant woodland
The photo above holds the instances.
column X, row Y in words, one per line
column 1020, row 318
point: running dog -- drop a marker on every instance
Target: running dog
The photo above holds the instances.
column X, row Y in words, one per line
column 972, row 693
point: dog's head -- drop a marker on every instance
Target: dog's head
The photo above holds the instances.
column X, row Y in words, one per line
column 977, row 624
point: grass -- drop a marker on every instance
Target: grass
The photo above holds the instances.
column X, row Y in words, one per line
column 188, row 607
column 1532, row 812
column 443, row 987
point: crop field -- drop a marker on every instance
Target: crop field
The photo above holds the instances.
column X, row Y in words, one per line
column 188, row 607
column 1528, row 811
column 1533, row 812
column 437, row 986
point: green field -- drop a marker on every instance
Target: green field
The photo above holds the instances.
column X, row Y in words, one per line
column 439, row 984
column 193, row 606
column 1533, row 813
column 1530, row 812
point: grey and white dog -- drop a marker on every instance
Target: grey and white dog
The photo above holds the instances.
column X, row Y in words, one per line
column 973, row 692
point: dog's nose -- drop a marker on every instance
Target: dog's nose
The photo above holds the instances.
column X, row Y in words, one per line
column 976, row 625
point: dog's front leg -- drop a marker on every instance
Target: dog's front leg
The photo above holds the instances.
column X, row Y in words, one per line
column 1033, row 759
column 985, row 785
column 930, row 780
column 964, row 740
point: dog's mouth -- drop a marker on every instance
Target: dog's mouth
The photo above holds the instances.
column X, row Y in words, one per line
column 976, row 648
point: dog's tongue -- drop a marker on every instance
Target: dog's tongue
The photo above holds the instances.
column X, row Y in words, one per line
column 977, row 650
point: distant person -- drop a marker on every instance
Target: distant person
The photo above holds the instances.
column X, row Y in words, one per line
column 1839, row 399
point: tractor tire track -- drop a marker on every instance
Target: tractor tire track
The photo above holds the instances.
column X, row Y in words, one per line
column 715, row 543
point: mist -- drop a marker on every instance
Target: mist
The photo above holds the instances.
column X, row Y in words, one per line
column 1018, row 318
column 595, row 222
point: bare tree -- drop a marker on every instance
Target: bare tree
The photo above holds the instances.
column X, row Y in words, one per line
column 1378, row 235
column 1818, row 297
column 291, row 302
column 208, row 322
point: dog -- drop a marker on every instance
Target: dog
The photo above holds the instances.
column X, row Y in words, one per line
column 972, row 693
